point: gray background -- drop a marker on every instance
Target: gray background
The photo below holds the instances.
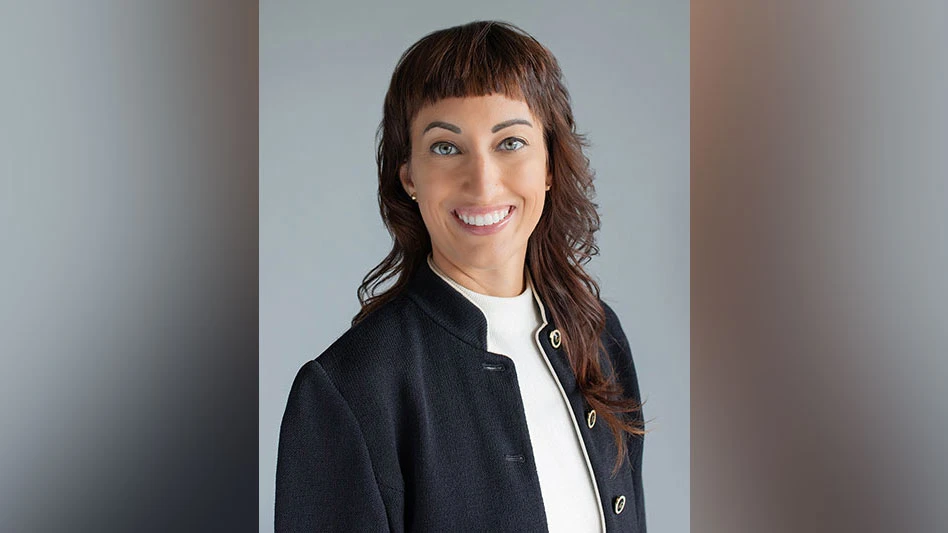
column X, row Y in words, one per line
column 323, row 74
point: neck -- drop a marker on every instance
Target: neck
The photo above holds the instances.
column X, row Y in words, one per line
column 506, row 280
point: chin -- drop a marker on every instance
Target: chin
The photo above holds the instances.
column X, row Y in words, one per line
column 485, row 259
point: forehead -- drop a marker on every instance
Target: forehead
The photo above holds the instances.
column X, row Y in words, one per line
column 473, row 111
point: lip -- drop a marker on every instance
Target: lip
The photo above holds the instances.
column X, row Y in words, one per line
column 482, row 230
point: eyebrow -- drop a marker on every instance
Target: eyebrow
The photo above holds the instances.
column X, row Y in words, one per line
column 452, row 128
column 445, row 125
column 511, row 122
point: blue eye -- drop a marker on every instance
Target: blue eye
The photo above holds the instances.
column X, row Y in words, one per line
column 512, row 144
column 444, row 148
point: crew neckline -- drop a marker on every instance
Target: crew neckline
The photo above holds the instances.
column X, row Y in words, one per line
column 503, row 313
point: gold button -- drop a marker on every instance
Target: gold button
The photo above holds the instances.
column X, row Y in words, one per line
column 619, row 504
column 591, row 418
column 555, row 338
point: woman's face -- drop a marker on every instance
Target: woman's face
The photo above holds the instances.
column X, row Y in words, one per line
column 478, row 169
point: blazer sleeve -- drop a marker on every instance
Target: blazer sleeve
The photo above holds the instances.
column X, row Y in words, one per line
column 324, row 479
column 618, row 345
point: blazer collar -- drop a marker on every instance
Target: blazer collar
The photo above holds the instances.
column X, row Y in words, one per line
column 455, row 313
column 449, row 308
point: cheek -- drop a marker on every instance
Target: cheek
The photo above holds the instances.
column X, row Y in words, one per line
column 434, row 191
column 431, row 206
column 537, row 210
column 531, row 181
column 430, row 216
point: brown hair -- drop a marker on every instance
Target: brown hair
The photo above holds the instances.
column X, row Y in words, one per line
column 477, row 59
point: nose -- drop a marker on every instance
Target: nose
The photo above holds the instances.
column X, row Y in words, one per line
column 483, row 175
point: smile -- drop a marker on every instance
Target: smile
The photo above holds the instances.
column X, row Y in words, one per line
column 487, row 219
column 483, row 222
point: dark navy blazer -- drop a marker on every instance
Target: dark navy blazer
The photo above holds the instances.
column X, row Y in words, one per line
column 408, row 423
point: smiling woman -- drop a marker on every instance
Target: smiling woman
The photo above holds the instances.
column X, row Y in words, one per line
column 478, row 171
column 466, row 395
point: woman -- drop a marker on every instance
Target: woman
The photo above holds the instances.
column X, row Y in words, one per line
column 484, row 386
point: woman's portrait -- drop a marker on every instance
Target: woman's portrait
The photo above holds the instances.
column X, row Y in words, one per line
column 480, row 375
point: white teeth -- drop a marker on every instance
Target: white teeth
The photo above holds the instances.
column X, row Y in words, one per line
column 485, row 220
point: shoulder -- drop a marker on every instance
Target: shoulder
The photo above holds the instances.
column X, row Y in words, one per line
column 613, row 333
column 618, row 349
column 373, row 330
column 372, row 351
column 362, row 375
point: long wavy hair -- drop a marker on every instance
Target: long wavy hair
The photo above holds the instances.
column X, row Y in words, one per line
column 477, row 59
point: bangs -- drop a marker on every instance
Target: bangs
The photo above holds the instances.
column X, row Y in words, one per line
column 475, row 59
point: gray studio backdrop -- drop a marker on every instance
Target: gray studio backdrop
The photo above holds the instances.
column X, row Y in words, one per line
column 324, row 69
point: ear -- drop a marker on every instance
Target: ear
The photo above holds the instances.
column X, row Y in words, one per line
column 404, row 175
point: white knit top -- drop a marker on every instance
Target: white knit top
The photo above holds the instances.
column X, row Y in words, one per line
column 566, row 479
